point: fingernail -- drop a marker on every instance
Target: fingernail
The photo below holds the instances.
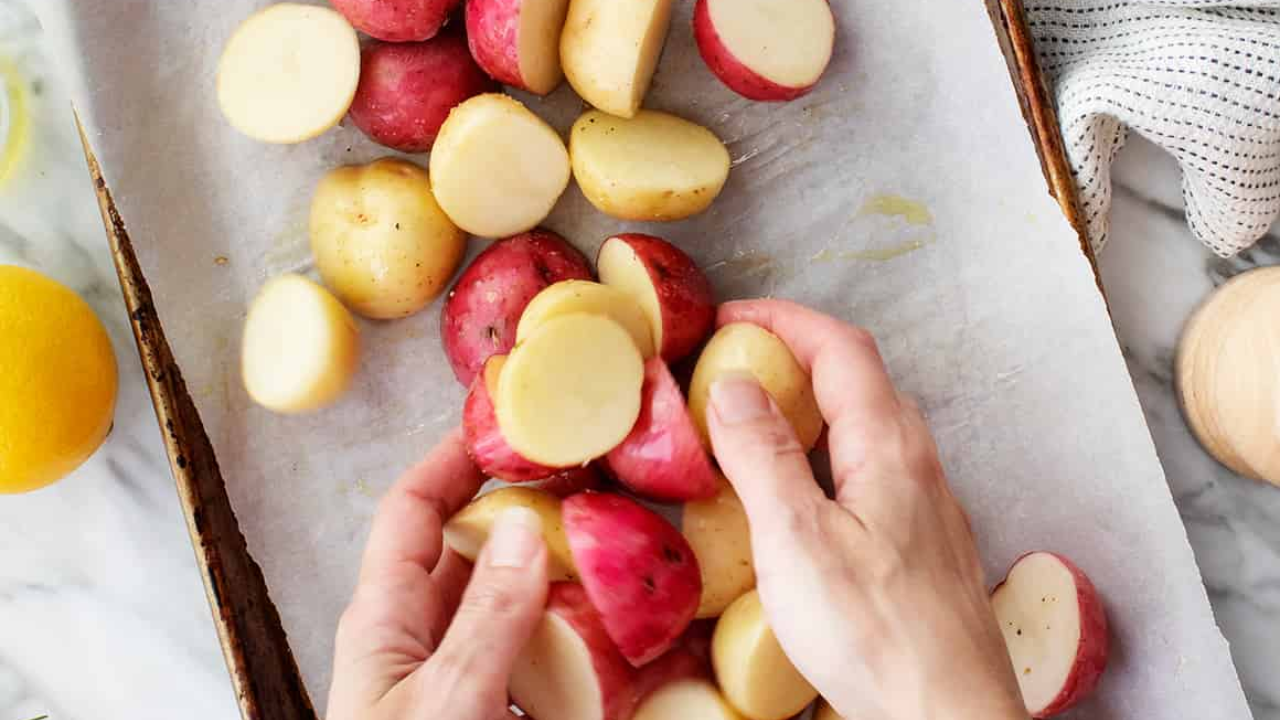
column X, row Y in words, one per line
column 739, row 399
column 515, row 538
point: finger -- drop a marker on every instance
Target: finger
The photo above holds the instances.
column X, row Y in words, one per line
column 407, row 528
column 758, row 451
column 854, row 392
column 450, row 580
column 498, row 613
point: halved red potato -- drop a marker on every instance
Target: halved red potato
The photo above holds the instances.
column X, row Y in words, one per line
column 1055, row 629
column 770, row 50
column 570, row 669
column 673, row 292
column 517, row 42
column 585, row 296
column 637, row 569
column 397, row 20
column 663, row 458
column 570, row 392
column 570, row 481
column 407, row 89
column 469, row 529
column 689, row 659
column 483, row 309
column 483, row 437
column 288, row 73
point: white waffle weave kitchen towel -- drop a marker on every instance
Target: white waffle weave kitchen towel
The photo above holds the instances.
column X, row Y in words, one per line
column 1201, row 78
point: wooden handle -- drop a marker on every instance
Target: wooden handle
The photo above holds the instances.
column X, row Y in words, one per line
column 263, row 671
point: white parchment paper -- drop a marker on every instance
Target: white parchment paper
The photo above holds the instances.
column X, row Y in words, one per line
column 984, row 305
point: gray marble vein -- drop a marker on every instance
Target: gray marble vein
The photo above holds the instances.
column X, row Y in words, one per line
column 102, row 615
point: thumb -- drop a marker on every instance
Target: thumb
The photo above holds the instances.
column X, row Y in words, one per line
column 758, row 451
column 499, row 611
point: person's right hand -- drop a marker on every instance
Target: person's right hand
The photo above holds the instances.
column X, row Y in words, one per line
column 877, row 597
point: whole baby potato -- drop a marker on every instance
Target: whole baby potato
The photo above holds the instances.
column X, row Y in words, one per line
column 381, row 243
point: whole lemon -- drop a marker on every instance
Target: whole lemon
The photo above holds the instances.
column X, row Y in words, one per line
column 57, row 380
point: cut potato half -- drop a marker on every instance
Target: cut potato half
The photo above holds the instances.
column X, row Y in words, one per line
column 518, row 41
column 288, row 73
column 583, row 296
column 468, row 530
column 496, row 168
column 654, row 166
column 717, row 531
column 753, row 671
column 609, row 50
column 1055, row 629
column 769, row 50
column 301, row 346
column 686, row 700
column 570, row 392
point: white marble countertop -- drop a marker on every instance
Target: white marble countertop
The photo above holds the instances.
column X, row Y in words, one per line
column 102, row 614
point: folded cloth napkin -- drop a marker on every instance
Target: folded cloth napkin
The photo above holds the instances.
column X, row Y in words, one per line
column 1200, row 78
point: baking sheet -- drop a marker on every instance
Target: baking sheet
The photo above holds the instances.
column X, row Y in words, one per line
column 903, row 194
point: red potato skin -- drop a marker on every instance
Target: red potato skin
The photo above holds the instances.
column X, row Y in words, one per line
column 690, row 659
column 486, row 445
column 663, row 457
column 479, row 316
column 733, row 73
column 1094, row 647
column 685, row 296
column 638, row 570
column 493, row 28
column 407, row 90
column 570, row 481
column 617, row 678
column 397, row 20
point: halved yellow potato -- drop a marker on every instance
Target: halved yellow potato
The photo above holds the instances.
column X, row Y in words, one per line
column 654, row 166
column 570, row 391
column 301, row 346
column 689, row 699
column 609, row 50
column 746, row 348
column 753, row 672
column 496, row 168
column 468, row 530
column 717, row 531
column 289, row 72
column 585, row 296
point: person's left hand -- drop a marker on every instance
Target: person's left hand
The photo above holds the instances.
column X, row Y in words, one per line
column 419, row 640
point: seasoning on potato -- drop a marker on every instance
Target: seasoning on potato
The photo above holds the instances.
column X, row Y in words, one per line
column 380, row 241
column 655, row 166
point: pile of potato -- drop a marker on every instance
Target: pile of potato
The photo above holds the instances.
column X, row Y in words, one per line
column 571, row 398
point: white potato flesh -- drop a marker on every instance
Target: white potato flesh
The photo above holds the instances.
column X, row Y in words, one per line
column 609, row 50
column 686, row 700
column 619, row 266
column 788, row 42
column 717, row 531
column 745, row 348
column 554, row 676
column 654, row 166
column 380, row 240
column 751, row 668
column 496, row 168
column 289, row 72
column 301, row 346
column 538, row 54
column 570, row 392
column 1039, row 613
column 583, row 296
column 469, row 529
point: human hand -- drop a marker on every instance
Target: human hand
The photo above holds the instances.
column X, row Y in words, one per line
column 878, row 597
column 420, row 640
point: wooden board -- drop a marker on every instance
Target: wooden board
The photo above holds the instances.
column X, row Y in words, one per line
column 263, row 672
